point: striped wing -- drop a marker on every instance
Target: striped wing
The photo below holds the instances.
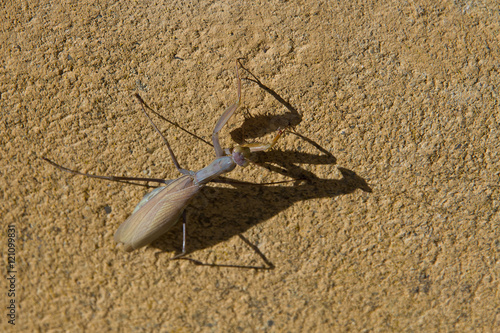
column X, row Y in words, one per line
column 157, row 215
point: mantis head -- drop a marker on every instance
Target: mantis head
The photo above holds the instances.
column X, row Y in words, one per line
column 241, row 155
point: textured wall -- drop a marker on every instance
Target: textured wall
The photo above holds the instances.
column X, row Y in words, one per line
column 394, row 226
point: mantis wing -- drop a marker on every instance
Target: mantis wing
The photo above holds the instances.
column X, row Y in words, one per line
column 158, row 215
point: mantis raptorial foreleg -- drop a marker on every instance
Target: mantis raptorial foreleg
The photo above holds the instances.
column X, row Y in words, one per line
column 225, row 117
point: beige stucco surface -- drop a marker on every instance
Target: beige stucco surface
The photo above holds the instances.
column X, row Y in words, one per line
column 394, row 225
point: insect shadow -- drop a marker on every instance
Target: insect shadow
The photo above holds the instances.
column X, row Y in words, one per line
column 221, row 213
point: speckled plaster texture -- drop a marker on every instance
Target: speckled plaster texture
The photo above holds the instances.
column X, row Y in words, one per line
column 392, row 224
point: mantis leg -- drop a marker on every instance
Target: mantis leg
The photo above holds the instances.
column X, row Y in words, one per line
column 225, row 117
column 264, row 146
column 112, row 178
column 254, row 147
column 184, row 222
column 172, row 155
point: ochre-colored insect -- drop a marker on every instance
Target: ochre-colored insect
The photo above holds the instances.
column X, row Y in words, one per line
column 160, row 209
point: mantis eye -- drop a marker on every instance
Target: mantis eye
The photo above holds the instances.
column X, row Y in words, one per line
column 241, row 155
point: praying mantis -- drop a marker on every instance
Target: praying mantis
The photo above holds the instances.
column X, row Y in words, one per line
column 160, row 209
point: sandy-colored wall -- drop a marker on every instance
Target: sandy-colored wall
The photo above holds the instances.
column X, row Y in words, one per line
column 394, row 225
